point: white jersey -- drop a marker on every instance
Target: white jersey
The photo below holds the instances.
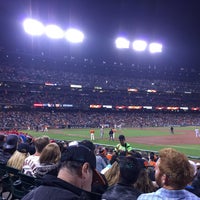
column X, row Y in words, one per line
column 30, row 165
column 197, row 132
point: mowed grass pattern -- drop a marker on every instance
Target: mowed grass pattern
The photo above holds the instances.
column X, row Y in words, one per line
column 80, row 134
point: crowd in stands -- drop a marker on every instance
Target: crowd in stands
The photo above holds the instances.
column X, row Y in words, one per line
column 84, row 98
column 22, row 68
column 37, row 120
column 81, row 170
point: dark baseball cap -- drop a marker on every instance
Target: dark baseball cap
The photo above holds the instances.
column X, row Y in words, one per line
column 83, row 154
column 23, row 148
column 11, row 142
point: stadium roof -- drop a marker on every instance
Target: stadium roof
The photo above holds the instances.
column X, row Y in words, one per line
column 175, row 23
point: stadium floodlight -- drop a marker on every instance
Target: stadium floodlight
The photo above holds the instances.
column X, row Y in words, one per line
column 139, row 45
column 122, row 43
column 155, row 47
column 74, row 35
column 54, row 32
column 33, row 27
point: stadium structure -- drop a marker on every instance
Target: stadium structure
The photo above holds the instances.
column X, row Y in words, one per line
column 84, row 92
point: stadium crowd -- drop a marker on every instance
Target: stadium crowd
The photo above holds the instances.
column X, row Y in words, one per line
column 88, row 73
column 40, row 168
column 21, row 120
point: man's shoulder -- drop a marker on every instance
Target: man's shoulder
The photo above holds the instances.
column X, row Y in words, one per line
column 55, row 188
column 168, row 194
column 50, row 192
column 119, row 190
column 150, row 196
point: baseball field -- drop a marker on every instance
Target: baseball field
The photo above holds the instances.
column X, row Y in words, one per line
column 147, row 139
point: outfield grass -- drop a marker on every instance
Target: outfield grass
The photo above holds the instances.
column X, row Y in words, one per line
column 80, row 134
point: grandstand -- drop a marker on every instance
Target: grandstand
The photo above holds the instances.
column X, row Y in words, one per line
column 34, row 92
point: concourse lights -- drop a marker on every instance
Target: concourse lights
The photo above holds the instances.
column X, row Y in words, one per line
column 33, row 27
column 139, row 45
column 74, row 35
column 122, row 43
column 54, row 32
column 155, row 48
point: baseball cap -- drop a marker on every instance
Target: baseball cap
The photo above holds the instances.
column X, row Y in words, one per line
column 11, row 141
column 23, row 148
column 88, row 144
column 81, row 153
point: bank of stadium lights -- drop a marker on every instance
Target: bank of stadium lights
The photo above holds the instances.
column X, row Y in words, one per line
column 138, row 45
column 36, row 28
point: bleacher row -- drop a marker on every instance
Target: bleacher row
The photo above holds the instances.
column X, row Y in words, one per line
column 14, row 184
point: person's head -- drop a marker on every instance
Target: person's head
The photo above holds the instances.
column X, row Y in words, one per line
column 17, row 159
column 23, row 148
column 173, row 169
column 129, row 169
column 78, row 165
column 51, row 154
column 11, row 143
column 88, row 144
column 122, row 139
column 40, row 143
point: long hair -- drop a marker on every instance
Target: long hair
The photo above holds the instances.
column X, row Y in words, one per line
column 51, row 154
column 112, row 174
column 17, row 160
column 144, row 183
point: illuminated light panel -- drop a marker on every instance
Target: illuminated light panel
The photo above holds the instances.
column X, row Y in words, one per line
column 33, row 27
column 147, row 107
column 75, row 86
column 195, row 108
column 151, row 91
column 95, row 106
column 172, row 108
column 67, row 105
column 74, row 35
column 120, row 107
column 188, row 92
column 122, row 43
column 159, row 108
column 50, row 84
column 184, row 108
column 132, row 90
column 134, row 107
column 97, row 88
column 107, row 106
column 155, row 47
column 139, row 45
column 38, row 105
column 54, row 32
column 57, row 105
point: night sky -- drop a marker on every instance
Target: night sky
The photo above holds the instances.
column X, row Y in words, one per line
column 175, row 23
